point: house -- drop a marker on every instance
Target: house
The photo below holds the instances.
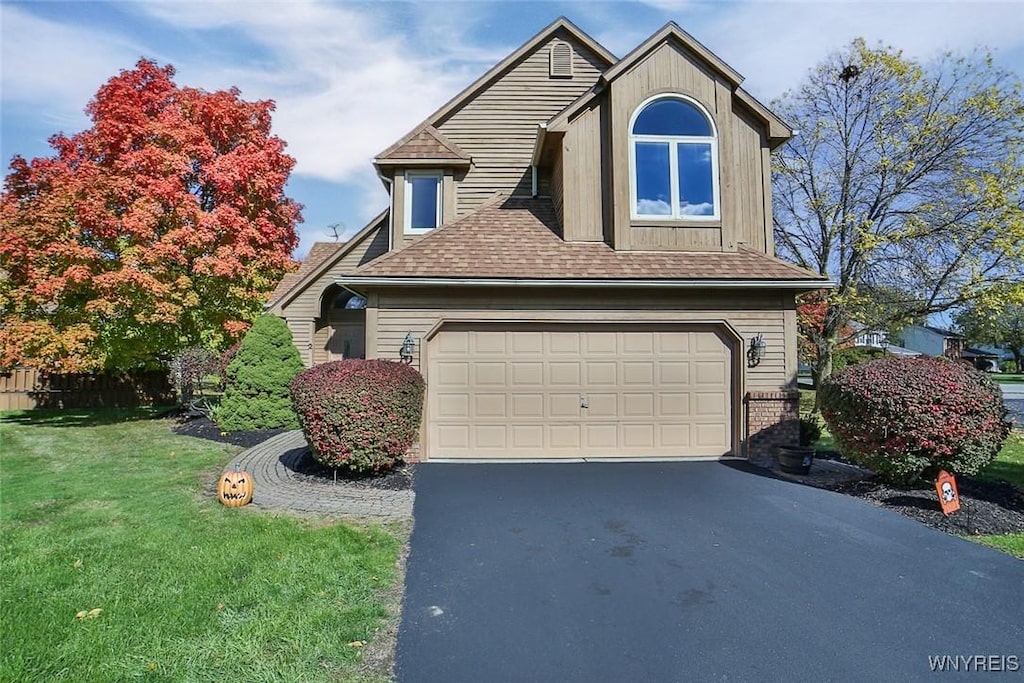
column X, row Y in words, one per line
column 934, row 341
column 872, row 337
column 577, row 254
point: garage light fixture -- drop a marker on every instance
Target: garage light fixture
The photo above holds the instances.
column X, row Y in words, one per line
column 408, row 346
column 755, row 354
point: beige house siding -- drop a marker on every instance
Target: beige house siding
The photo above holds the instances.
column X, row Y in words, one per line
column 583, row 179
column 749, row 313
column 672, row 69
column 557, row 175
column 498, row 126
column 307, row 304
column 302, row 330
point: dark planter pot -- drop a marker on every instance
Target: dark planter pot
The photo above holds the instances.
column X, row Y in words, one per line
column 794, row 459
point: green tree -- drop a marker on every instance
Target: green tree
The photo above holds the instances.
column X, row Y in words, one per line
column 996, row 319
column 256, row 393
column 905, row 180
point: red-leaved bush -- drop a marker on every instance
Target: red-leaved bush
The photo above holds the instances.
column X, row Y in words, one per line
column 908, row 418
column 360, row 415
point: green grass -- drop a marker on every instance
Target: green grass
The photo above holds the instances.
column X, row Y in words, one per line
column 1007, row 378
column 110, row 510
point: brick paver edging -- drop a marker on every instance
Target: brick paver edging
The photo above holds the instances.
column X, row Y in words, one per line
column 278, row 488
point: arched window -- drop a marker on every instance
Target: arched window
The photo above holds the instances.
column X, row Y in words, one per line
column 673, row 154
column 348, row 301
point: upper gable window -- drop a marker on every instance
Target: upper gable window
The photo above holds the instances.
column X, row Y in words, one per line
column 673, row 154
column 422, row 201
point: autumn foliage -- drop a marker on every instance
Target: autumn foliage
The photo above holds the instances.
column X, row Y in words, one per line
column 359, row 415
column 908, row 418
column 164, row 225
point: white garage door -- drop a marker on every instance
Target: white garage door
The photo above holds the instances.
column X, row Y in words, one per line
column 568, row 391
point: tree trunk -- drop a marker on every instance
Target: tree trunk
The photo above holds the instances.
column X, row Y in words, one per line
column 822, row 369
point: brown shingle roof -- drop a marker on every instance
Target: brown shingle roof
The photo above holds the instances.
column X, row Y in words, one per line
column 318, row 253
column 517, row 238
column 425, row 142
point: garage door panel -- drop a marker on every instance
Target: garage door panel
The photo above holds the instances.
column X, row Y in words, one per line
column 602, row 405
column 600, row 343
column 490, row 343
column 527, row 405
column 570, row 392
column 527, row 374
column 638, row 405
column 452, row 374
column 565, row 436
column 674, row 405
column 453, row 405
column 527, row 437
column 710, row 373
column 490, row 405
column 489, row 374
column 564, row 343
column 564, row 405
column 491, row 436
column 527, row 343
column 564, row 373
column 637, row 372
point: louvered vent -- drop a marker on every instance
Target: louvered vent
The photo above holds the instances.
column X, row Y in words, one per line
column 561, row 60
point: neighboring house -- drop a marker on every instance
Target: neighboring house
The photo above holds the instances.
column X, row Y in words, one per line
column 579, row 250
column 878, row 339
column 934, row 341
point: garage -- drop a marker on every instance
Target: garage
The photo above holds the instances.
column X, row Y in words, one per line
column 550, row 390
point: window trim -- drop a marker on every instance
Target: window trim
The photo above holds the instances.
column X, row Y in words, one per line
column 673, row 156
column 407, row 198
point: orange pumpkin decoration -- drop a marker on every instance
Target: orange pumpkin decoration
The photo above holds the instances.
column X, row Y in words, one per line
column 235, row 488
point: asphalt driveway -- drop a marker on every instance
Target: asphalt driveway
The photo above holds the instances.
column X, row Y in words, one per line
column 687, row 572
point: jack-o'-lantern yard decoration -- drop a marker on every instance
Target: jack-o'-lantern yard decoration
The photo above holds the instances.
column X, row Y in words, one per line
column 235, row 488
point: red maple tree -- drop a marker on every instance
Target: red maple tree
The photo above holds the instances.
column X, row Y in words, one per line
column 164, row 225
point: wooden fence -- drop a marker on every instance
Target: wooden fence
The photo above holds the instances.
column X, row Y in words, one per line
column 27, row 388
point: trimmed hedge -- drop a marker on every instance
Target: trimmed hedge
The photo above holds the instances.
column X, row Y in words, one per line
column 257, row 379
column 908, row 418
column 360, row 415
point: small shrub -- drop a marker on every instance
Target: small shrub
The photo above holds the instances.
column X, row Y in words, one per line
column 360, row 415
column 256, row 389
column 908, row 418
column 810, row 430
column 844, row 358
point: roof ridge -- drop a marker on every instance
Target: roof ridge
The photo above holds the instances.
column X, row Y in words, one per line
column 442, row 229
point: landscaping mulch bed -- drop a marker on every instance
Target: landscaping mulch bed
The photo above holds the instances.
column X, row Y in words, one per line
column 986, row 507
column 204, row 428
column 300, row 462
column 303, row 466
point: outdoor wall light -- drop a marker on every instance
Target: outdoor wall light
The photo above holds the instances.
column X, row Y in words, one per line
column 408, row 346
column 755, row 354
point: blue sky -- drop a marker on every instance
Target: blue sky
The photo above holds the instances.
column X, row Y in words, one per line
column 350, row 78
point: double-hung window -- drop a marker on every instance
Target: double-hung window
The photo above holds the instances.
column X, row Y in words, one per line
column 422, row 201
column 673, row 154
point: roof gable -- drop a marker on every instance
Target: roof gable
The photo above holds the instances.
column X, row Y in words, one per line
column 321, row 258
column 778, row 130
column 543, row 36
column 425, row 142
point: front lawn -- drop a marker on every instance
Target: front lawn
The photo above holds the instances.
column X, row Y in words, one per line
column 119, row 564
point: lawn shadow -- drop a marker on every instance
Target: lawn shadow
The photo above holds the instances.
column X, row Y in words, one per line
column 85, row 417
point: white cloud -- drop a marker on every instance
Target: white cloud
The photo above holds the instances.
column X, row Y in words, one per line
column 702, row 209
column 653, row 207
column 774, row 44
column 346, row 83
column 56, row 68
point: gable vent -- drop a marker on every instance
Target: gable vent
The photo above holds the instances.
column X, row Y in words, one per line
column 561, row 60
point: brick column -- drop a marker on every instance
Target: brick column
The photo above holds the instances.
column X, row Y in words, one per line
column 772, row 420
